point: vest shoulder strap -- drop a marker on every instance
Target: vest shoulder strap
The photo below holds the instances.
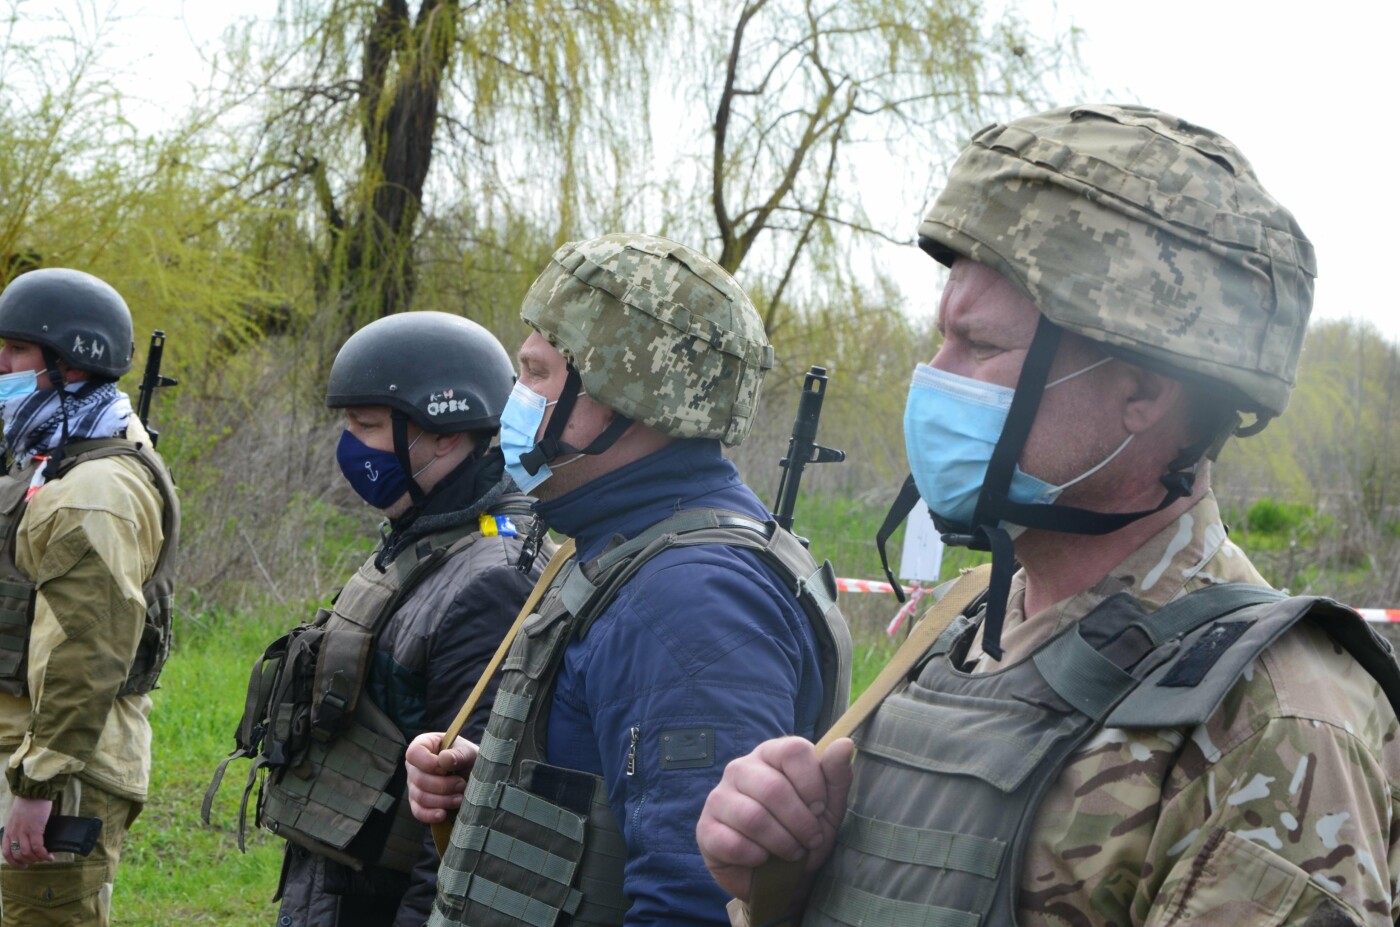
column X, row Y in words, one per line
column 77, row 452
column 587, row 590
column 1223, row 630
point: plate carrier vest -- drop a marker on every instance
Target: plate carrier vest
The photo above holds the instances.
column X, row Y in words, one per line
column 17, row 590
column 334, row 760
column 950, row 772
column 538, row 844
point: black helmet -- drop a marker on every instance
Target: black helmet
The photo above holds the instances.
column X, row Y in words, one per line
column 446, row 373
column 78, row 317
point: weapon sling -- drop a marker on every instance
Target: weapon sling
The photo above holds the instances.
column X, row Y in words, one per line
column 775, row 882
column 442, row 831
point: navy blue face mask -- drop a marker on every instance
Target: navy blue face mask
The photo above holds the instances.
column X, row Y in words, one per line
column 376, row 475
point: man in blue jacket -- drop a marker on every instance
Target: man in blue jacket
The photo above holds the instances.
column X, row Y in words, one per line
column 687, row 629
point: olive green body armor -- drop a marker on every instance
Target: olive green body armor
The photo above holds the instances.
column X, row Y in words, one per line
column 17, row 590
column 334, row 759
column 538, row 844
column 950, row 772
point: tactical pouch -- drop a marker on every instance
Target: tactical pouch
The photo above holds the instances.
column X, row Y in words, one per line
column 341, row 799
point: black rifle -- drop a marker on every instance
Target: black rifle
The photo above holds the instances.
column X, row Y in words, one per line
column 802, row 446
column 151, row 381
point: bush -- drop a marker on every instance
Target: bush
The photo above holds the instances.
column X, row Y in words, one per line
column 1268, row 516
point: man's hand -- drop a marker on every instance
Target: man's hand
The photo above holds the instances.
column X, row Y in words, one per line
column 780, row 800
column 437, row 777
column 24, row 832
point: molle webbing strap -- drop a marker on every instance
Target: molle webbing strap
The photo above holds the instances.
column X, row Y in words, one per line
column 775, row 882
column 442, row 832
column 940, row 849
column 853, row 906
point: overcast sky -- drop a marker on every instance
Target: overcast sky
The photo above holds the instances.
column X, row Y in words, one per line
column 1297, row 86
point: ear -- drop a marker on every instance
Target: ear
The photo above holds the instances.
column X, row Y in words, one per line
column 1151, row 399
column 445, row 444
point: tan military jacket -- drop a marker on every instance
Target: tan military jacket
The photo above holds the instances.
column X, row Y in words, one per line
column 1284, row 803
column 89, row 541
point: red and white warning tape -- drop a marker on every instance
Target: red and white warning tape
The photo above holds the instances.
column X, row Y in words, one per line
column 867, row 585
column 916, row 592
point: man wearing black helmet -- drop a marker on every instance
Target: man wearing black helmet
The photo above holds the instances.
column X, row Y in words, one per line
column 89, row 520
column 422, row 394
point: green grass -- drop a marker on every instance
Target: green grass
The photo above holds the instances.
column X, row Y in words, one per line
column 175, row 869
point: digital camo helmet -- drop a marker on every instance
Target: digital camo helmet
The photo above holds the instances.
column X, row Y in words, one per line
column 76, row 317
column 656, row 331
column 445, row 373
column 1141, row 231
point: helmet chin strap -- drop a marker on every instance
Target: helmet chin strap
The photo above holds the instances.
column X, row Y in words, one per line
column 994, row 505
column 552, row 446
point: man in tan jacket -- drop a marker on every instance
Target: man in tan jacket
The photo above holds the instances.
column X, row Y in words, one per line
column 89, row 525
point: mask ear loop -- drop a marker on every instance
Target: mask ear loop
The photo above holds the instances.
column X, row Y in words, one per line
column 401, row 449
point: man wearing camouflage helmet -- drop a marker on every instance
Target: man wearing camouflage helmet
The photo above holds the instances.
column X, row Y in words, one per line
column 688, row 628
column 89, row 521
column 1133, row 729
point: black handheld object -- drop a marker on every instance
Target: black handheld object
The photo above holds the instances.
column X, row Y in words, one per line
column 68, row 834
column 151, row 381
column 802, row 446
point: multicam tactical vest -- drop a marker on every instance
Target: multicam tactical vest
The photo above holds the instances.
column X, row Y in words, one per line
column 950, row 772
column 536, row 843
column 334, row 759
column 17, row 590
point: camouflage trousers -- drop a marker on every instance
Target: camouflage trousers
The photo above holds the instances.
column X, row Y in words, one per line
column 71, row 890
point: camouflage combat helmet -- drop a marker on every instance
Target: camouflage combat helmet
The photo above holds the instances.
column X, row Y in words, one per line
column 658, row 333
column 446, row 373
column 76, row 316
column 1141, row 231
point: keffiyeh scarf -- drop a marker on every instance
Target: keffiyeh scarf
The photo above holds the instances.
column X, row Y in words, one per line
column 34, row 423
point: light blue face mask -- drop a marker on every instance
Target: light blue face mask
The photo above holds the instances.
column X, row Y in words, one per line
column 520, row 423
column 951, row 426
column 18, row 385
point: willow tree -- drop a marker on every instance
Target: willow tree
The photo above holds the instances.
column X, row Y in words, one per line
column 818, row 105
column 378, row 113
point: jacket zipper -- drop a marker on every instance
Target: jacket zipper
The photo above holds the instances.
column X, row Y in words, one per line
column 632, row 751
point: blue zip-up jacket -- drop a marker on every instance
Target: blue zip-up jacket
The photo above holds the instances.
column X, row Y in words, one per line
column 703, row 640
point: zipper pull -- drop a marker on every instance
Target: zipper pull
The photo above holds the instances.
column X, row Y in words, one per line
column 632, row 751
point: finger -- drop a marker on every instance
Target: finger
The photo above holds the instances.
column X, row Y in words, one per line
column 837, row 773
column 422, row 752
column 459, row 758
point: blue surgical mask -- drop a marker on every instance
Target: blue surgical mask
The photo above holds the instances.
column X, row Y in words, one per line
column 951, row 426
column 520, row 423
column 377, row 476
column 18, row 385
